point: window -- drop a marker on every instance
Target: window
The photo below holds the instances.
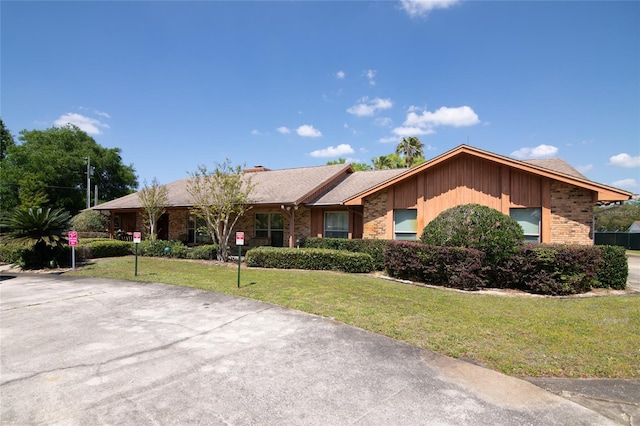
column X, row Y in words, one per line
column 270, row 225
column 197, row 232
column 405, row 224
column 529, row 219
column 336, row 225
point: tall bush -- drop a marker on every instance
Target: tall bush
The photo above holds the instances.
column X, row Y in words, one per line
column 494, row 233
column 90, row 221
column 614, row 269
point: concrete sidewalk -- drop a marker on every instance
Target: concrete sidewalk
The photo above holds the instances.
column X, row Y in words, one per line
column 92, row 351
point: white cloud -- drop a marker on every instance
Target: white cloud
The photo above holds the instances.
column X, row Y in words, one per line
column 255, row 132
column 102, row 114
column 340, row 75
column 308, row 131
column 624, row 160
column 390, row 139
column 444, row 116
column 625, row 183
column 585, row 168
column 84, row 123
column 412, row 131
column 537, row 152
column 284, row 130
column 421, row 8
column 367, row 108
column 331, row 151
column 371, row 75
column 383, row 121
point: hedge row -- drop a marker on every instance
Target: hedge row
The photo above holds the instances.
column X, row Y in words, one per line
column 535, row 268
column 309, row 258
column 454, row 267
column 374, row 248
column 29, row 258
column 96, row 248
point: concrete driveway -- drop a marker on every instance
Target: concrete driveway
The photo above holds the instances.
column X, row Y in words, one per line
column 633, row 281
column 80, row 351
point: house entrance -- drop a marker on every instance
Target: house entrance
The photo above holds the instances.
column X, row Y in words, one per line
column 163, row 227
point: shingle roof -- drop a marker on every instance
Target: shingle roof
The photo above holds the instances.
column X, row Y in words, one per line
column 294, row 186
column 353, row 184
column 287, row 186
column 556, row 165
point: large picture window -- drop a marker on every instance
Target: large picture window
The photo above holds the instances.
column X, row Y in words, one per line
column 336, row 225
column 529, row 219
column 270, row 225
column 405, row 224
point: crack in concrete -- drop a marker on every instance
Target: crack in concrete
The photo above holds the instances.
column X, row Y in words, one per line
column 52, row 301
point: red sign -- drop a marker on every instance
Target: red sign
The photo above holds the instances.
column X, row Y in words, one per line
column 239, row 238
column 73, row 238
column 137, row 237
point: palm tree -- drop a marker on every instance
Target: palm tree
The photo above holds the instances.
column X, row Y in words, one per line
column 382, row 162
column 39, row 230
column 411, row 148
column 385, row 162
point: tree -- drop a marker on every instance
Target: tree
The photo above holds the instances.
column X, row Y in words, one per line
column 617, row 217
column 154, row 201
column 39, row 230
column 50, row 165
column 220, row 198
column 6, row 140
column 8, row 192
column 391, row 161
column 411, row 149
column 358, row 167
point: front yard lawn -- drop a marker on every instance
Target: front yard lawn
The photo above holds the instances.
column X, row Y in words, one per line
column 520, row 336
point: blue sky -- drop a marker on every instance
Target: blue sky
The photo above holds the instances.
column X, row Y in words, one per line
column 290, row 84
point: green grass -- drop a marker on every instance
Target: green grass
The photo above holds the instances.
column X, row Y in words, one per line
column 519, row 336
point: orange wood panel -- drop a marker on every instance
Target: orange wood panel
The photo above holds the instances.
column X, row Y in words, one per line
column 545, row 220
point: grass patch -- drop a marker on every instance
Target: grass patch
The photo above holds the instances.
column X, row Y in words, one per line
column 519, row 336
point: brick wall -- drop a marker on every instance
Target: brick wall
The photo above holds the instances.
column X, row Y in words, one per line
column 375, row 216
column 302, row 225
column 178, row 225
column 571, row 214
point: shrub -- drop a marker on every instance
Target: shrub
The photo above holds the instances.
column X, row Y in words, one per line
column 90, row 221
column 98, row 248
column 614, row 269
column 159, row 248
column 205, row 252
column 309, row 258
column 475, row 226
column 550, row 269
column 374, row 248
column 454, row 267
column 11, row 253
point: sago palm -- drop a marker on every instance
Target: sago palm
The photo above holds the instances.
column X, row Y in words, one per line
column 36, row 227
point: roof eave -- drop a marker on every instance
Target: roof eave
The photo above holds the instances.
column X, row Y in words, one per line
column 604, row 192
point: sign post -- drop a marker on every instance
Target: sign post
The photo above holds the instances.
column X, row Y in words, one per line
column 73, row 242
column 137, row 236
column 239, row 243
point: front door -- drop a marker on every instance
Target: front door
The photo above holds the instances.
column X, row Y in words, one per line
column 163, row 227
